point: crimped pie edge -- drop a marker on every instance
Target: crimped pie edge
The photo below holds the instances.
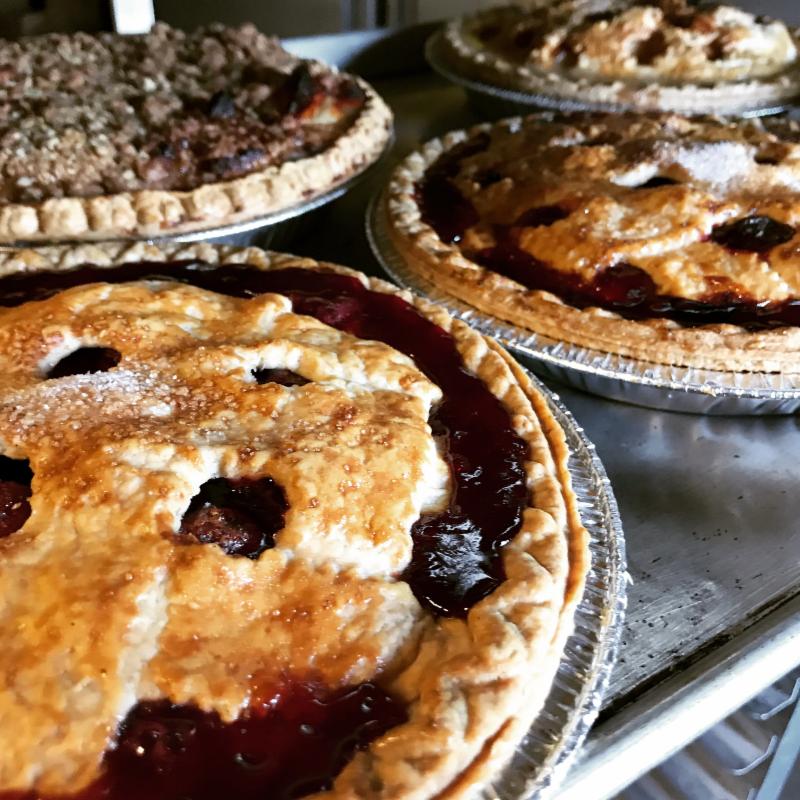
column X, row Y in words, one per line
column 151, row 213
column 719, row 346
column 465, row 721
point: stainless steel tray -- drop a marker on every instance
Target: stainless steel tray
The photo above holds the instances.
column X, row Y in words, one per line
column 618, row 377
column 709, row 505
column 542, row 758
column 497, row 101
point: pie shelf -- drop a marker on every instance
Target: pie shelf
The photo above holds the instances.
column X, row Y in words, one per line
column 706, row 501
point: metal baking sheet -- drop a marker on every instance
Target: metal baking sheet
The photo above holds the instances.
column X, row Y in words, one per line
column 709, row 509
column 497, row 101
column 542, row 758
column 618, row 377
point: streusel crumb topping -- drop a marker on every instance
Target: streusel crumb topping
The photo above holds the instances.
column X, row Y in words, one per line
column 84, row 115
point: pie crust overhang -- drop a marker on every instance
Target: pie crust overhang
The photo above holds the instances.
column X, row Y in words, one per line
column 668, row 239
column 664, row 55
column 110, row 597
column 114, row 136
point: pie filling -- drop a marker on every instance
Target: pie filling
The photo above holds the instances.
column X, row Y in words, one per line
column 15, row 491
column 298, row 736
column 622, row 288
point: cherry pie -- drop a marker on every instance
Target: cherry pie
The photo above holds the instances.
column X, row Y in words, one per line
column 268, row 528
column 113, row 136
column 663, row 55
column 668, row 239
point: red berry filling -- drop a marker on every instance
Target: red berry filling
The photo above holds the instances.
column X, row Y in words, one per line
column 15, row 492
column 241, row 516
column 755, row 234
column 291, row 745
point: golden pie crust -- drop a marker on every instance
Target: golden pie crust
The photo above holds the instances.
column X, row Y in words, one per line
column 98, row 133
column 664, row 55
column 595, row 169
column 118, row 454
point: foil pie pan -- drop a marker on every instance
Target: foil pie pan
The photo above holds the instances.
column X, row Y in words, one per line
column 495, row 102
column 644, row 383
column 543, row 757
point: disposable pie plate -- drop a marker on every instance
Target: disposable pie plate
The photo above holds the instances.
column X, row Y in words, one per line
column 496, row 102
column 645, row 383
column 543, row 757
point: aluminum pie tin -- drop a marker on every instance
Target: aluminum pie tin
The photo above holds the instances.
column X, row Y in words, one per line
column 542, row 758
column 496, row 101
column 630, row 380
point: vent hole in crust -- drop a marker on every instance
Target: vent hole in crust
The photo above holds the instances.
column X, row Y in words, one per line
column 656, row 181
column 765, row 158
column 240, row 516
column 755, row 234
column 651, row 49
column 86, row 360
column 285, row 377
column 15, row 492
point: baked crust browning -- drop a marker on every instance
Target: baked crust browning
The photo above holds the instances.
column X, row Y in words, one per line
column 665, row 55
column 699, row 214
column 119, row 454
column 145, row 136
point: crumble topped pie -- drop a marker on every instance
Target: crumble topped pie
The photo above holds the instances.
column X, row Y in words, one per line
column 117, row 136
column 664, row 55
column 669, row 239
column 268, row 528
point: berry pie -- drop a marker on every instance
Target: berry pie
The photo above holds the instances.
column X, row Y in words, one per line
column 663, row 55
column 668, row 239
column 114, row 136
column 268, row 529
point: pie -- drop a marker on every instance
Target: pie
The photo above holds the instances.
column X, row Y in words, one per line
column 268, row 528
column 113, row 136
column 663, row 55
column 668, row 239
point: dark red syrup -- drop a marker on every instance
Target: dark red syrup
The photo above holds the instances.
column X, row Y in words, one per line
column 240, row 516
column 624, row 288
column 755, row 234
column 15, row 491
column 289, row 746
column 455, row 561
